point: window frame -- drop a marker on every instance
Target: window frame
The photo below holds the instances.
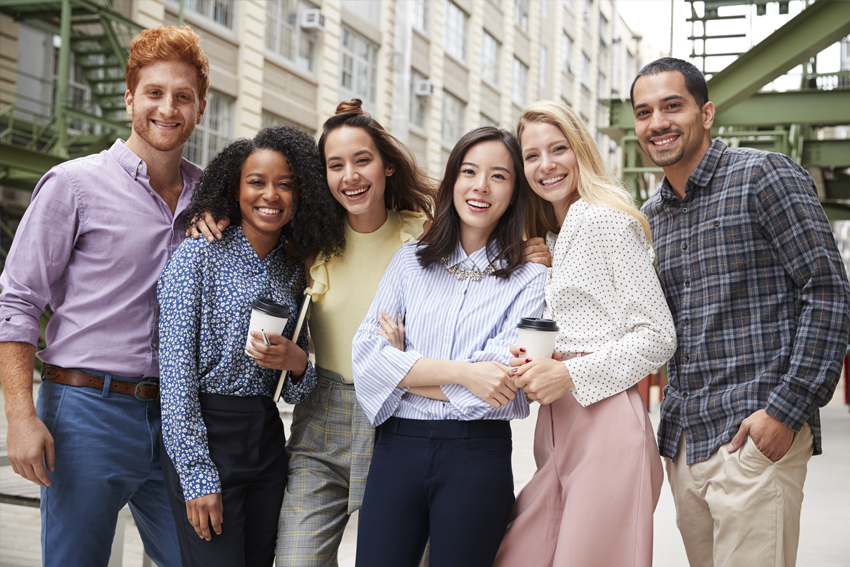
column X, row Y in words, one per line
column 216, row 103
column 497, row 56
column 371, row 66
column 451, row 33
column 277, row 22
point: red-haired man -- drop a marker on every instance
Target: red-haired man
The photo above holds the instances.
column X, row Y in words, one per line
column 92, row 244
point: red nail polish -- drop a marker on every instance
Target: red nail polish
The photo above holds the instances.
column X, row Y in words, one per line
column 521, row 349
column 514, row 370
column 528, row 360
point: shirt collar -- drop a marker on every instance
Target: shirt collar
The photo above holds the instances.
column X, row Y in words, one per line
column 702, row 175
column 134, row 165
column 480, row 259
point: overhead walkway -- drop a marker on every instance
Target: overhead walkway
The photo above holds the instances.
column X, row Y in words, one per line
column 787, row 122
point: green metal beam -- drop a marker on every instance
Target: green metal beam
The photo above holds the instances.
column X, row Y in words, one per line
column 814, row 29
column 30, row 161
column 826, row 153
column 812, row 107
column 836, row 210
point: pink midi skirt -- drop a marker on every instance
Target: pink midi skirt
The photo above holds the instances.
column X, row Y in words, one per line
column 598, row 479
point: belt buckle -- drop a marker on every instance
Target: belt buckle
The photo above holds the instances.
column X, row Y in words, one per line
column 139, row 386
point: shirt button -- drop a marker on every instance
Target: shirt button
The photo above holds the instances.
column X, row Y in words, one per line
column 684, row 209
column 687, row 322
column 716, row 224
column 155, row 345
column 685, row 395
column 684, row 246
column 140, row 167
column 687, row 357
column 687, row 284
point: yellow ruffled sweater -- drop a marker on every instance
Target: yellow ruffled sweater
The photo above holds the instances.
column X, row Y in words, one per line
column 344, row 286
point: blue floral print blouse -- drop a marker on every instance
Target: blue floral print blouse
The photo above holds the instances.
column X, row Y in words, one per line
column 205, row 295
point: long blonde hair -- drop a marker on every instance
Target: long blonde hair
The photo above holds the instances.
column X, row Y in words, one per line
column 596, row 185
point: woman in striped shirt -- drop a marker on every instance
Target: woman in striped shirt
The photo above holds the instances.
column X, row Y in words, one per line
column 437, row 384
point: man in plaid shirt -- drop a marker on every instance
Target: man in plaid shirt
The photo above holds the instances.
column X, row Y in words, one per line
column 759, row 294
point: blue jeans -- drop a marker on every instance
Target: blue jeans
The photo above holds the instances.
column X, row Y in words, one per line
column 107, row 455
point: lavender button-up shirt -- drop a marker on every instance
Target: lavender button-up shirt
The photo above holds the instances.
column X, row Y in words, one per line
column 92, row 244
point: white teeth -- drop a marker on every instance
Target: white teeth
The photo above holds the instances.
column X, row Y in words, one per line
column 169, row 124
column 479, row 204
column 662, row 142
column 552, row 180
column 268, row 211
column 355, row 192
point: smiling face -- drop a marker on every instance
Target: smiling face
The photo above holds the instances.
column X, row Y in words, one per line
column 165, row 107
column 550, row 164
column 671, row 126
column 357, row 177
column 483, row 191
column 265, row 198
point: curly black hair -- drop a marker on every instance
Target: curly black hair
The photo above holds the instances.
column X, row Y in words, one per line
column 312, row 230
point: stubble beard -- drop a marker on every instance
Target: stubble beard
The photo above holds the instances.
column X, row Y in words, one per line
column 160, row 141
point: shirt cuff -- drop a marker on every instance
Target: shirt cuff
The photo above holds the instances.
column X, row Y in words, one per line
column 201, row 481
column 791, row 409
column 19, row 328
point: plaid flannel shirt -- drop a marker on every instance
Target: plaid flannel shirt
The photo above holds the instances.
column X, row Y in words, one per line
column 759, row 294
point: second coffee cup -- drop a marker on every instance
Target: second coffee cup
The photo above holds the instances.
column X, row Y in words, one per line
column 537, row 337
column 266, row 315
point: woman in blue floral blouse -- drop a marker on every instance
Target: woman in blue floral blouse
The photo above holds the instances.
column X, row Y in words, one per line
column 226, row 467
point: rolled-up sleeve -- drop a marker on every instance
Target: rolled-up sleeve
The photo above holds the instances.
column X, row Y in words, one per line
column 39, row 256
column 379, row 367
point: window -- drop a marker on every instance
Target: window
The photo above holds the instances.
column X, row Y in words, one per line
column 630, row 69
column 491, row 58
column 566, row 53
column 456, row 23
column 544, row 65
column 587, row 12
column 544, row 8
column 521, row 15
column 220, row 11
column 454, row 116
column 359, row 62
column 520, row 83
column 214, row 131
column 419, row 12
column 585, row 71
column 285, row 36
column 487, row 121
column 367, row 10
column 603, row 31
column 418, row 104
column 602, row 86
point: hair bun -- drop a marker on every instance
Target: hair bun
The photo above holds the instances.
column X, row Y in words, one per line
column 354, row 106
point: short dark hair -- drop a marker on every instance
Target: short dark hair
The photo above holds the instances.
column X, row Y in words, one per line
column 311, row 230
column 694, row 79
column 440, row 241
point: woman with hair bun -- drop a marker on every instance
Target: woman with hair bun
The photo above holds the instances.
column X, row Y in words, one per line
column 381, row 200
column 599, row 473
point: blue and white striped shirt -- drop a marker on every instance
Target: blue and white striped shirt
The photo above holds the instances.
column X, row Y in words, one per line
column 446, row 319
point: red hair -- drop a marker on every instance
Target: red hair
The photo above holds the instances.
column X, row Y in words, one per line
column 166, row 43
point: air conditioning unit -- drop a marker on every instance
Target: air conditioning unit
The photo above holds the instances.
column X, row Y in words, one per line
column 313, row 19
column 423, row 87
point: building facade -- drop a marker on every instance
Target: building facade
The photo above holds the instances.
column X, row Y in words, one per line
column 429, row 70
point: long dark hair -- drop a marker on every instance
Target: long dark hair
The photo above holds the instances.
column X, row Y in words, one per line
column 444, row 235
column 409, row 188
column 309, row 231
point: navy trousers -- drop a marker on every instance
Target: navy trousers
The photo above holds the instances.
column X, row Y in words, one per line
column 447, row 480
column 246, row 443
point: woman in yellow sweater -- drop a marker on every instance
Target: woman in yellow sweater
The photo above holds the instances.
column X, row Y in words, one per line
column 384, row 201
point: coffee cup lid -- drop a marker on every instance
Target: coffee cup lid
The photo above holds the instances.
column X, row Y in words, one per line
column 536, row 324
column 270, row 307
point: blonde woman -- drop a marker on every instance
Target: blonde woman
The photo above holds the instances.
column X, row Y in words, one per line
column 599, row 473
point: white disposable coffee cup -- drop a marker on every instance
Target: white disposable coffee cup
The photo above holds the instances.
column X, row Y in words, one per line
column 537, row 337
column 266, row 315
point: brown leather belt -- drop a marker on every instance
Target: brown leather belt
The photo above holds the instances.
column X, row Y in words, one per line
column 146, row 390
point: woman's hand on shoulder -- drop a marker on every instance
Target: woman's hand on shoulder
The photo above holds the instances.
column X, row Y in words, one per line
column 535, row 250
column 206, row 225
column 542, row 379
column 392, row 331
column 281, row 354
